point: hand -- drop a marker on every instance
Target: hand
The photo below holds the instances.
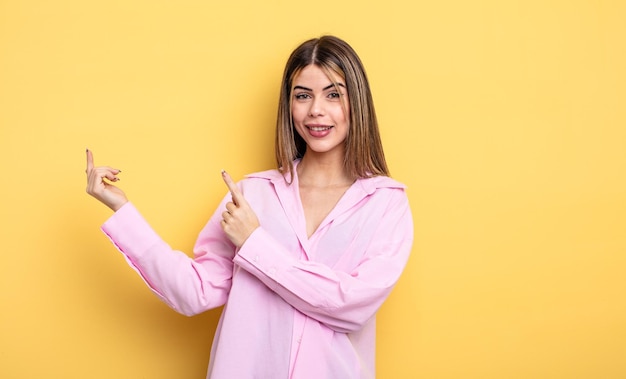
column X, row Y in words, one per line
column 239, row 220
column 108, row 194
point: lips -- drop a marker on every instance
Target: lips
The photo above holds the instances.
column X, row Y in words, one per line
column 319, row 131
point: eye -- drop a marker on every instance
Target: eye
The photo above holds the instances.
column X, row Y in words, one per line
column 334, row 95
column 302, row 96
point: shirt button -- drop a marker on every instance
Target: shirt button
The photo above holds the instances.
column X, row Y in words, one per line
column 256, row 258
column 272, row 271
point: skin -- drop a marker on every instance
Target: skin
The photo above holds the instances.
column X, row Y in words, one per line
column 318, row 111
column 317, row 103
column 99, row 184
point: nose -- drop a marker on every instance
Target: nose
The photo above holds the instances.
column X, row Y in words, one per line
column 316, row 108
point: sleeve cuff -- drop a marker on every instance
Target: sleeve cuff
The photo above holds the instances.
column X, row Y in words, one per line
column 262, row 262
column 130, row 232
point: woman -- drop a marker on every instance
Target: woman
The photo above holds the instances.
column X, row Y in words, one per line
column 302, row 256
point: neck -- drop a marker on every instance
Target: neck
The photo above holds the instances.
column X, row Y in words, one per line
column 314, row 170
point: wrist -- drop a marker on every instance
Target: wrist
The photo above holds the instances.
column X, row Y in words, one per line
column 116, row 207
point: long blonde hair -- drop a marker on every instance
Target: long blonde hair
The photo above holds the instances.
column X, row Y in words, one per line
column 364, row 156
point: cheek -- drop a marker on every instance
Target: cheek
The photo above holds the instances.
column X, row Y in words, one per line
column 342, row 113
column 296, row 114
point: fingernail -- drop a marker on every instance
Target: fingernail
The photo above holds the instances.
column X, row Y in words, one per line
column 223, row 171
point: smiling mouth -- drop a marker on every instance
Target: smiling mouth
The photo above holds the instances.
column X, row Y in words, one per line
column 319, row 128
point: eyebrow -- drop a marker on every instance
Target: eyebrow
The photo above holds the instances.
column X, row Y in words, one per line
column 324, row 89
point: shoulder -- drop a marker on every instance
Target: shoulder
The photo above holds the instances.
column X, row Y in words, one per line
column 384, row 192
column 268, row 178
column 271, row 175
column 263, row 179
column 380, row 183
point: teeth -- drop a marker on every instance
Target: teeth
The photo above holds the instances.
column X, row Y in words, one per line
column 319, row 128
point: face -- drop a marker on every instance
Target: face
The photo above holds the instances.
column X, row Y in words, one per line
column 320, row 110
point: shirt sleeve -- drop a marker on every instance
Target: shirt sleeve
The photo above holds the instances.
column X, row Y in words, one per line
column 189, row 286
column 344, row 301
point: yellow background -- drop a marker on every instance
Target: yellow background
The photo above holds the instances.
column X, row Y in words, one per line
column 506, row 119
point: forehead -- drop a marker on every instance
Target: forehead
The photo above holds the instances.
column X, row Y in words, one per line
column 316, row 74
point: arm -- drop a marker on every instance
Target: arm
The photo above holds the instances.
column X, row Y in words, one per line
column 343, row 300
column 189, row 286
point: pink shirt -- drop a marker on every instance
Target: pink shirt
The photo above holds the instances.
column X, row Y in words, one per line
column 295, row 307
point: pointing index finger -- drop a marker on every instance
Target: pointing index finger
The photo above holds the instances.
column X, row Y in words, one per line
column 89, row 160
column 232, row 187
